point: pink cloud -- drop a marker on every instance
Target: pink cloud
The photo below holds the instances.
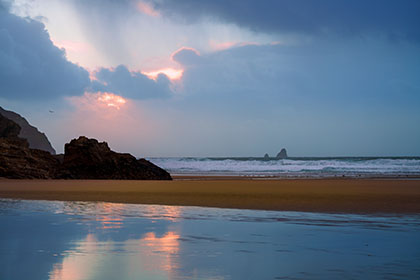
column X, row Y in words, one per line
column 99, row 102
column 218, row 46
column 147, row 9
column 111, row 100
column 183, row 49
column 171, row 73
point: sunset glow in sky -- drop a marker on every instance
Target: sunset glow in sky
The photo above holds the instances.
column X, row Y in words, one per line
column 217, row 78
column 111, row 100
column 173, row 74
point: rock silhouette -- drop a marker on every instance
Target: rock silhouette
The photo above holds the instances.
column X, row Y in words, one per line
column 282, row 154
column 86, row 158
column 35, row 138
column 83, row 159
column 17, row 160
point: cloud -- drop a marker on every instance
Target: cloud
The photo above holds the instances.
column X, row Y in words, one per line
column 396, row 19
column 31, row 66
column 187, row 56
column 147, row 9
column 255, row 79
column 233, row 72
column 134, row 85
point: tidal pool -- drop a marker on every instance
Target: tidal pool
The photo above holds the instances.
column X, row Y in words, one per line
column 86, row 240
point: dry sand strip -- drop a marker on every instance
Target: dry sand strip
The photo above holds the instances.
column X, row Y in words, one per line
column 312, row 195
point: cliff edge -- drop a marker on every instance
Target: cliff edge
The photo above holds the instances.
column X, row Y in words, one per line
column 35, row 138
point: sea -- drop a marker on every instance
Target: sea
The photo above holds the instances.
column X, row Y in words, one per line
column 293, row 167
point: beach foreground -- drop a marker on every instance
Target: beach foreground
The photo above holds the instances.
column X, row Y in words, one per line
column 309, row 195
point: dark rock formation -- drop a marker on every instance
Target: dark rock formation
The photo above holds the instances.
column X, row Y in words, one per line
column 266, row 157
column 35, row 138
column 83, row 159
column 282, row 154
column 89, row 159
column 8, row 128
column 17, row 160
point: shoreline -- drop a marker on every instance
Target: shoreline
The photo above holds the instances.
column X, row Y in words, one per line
column 359, row 196
column 216, row 176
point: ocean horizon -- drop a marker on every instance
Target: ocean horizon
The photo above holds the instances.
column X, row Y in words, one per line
column 292, row 166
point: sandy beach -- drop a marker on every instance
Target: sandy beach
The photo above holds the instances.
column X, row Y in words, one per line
column 312, row 195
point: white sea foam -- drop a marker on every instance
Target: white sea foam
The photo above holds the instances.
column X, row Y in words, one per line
column 310, row 166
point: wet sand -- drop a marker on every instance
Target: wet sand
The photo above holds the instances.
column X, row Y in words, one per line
column 309, row 195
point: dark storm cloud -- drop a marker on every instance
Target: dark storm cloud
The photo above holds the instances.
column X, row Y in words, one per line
column 133, row 85
column 395, row 19
column 31, row 66
column 271, row 75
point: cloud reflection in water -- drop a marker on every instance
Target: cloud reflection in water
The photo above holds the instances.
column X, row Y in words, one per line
column 92, row 241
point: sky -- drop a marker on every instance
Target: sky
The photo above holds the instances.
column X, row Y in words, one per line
column 160, row 78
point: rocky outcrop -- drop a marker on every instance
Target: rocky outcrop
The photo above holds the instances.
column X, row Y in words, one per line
column 86, row 158
column 266, row 157
column 8, row 129
column 282, row 154
column 83, row 159
column 17, row 160
column 35, row 138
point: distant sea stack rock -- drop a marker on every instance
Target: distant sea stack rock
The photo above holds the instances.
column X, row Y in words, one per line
column 282, row 154
column 35, row 138
column 86, row 158
column 266, row 157
column 17, row 160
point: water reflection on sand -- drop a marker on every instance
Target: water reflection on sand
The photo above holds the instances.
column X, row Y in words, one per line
column 84, row 240
column 150, row 257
